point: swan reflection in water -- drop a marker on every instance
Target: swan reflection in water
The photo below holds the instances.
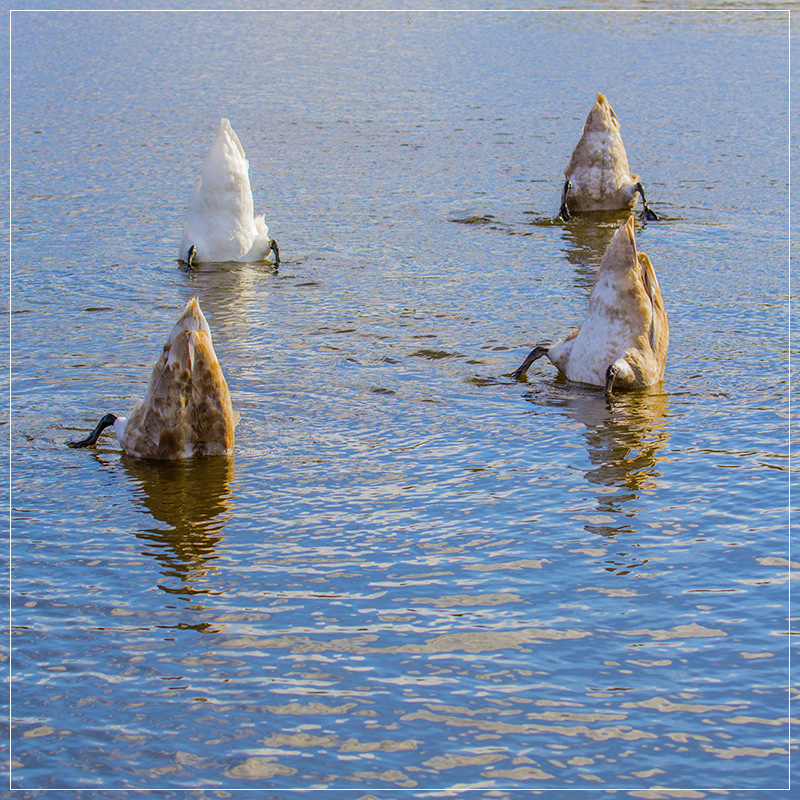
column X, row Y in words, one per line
column 585, row 239
column 231, row 295
column 193, row 498
column 624, row 441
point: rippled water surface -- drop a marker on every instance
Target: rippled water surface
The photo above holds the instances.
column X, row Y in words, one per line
column 414, row 573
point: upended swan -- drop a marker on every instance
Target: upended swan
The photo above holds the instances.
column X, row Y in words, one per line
column 187, row 409
column 220, row 224
column 623, row 341
column 598, row 177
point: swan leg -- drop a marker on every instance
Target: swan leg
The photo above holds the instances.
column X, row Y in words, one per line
column 537, row 352
column 563, row 212
column 273, row 246
column 190, row 256
column 107, row 421
column 611, row 373
column 647, row 212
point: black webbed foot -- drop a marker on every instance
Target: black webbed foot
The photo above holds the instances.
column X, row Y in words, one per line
column 190, row 257
column 107, row 421
column 563, row 211
column 646, row 213
column 521, row 372
column 273, row 246
column 611, row 373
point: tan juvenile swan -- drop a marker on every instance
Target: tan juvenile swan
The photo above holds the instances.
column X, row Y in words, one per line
column 623, row 341
column 187, row 408
column 598, row 177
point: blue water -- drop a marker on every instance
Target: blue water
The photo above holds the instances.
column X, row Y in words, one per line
column 414, row 576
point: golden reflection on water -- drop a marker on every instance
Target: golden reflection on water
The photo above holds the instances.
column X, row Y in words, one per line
column 585, row 240
column 624, row 438
column 193, row 498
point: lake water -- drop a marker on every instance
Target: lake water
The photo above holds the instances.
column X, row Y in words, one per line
column 415, row 575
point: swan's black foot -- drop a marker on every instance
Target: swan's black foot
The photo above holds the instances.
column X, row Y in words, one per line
column 646, row 213
column 190, row 257
column 611, row 373
column 563, row 211
column 107, row 421
column 273, row 246
column 521, row 372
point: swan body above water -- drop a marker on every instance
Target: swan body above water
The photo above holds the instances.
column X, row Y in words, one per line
column 623, row 341
column 187, row 408
column 598, row 177
column 220, row 224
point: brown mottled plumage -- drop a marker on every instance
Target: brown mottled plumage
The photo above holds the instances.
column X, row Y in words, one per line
column 598, row 177
column 187, row 408
column 623, row 341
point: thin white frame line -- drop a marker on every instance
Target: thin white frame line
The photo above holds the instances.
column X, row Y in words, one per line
column 754, row 9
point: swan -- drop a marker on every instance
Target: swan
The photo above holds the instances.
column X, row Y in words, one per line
column 220, row 225
column 187, row 409
column 623, row 341
column 598, row 177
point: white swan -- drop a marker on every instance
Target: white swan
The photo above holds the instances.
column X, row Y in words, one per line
column 220, row 225
column 623, row 341
column 598, row 177
column 187, row 409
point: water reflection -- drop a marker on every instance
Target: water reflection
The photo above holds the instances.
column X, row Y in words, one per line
column 585, row 240
column 193, row 498
column 624, row 438
column 227, row 291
